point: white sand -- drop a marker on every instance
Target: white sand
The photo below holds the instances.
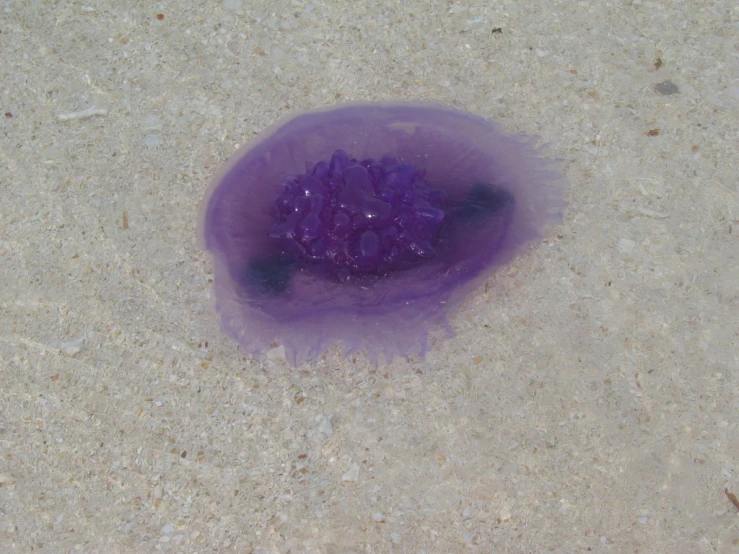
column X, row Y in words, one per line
column 589, row 402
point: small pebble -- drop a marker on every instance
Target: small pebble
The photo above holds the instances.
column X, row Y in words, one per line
column 504, row 514
column 152, row 141
column 324, row 425
column 72, row 347
column 167, row 529
column 82, row 114
column 352, row 475
column 666, row 88
column 6, row 479
column 626, row 245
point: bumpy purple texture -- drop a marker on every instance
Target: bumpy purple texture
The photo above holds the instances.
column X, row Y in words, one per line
column 367, row 225
column 347, row 217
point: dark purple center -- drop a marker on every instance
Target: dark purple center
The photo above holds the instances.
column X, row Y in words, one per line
column 348, row 217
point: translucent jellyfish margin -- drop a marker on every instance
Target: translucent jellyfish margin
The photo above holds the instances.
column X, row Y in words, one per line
column 393, row 316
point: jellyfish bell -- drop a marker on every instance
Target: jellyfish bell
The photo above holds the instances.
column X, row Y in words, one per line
column 367, row 225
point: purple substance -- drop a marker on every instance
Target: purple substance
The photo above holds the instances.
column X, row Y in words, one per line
column 367, row 225
column 358, row 218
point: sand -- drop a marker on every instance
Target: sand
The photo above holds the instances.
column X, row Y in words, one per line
column 589, row 400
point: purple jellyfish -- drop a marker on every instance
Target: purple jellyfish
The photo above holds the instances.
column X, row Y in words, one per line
column 368, row 224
